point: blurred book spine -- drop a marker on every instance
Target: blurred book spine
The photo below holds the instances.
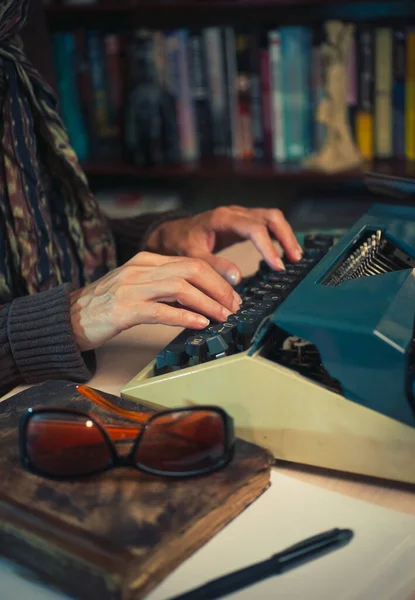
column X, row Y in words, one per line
column 250, row 93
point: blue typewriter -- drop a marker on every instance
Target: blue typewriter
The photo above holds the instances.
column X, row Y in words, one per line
column 318, row 365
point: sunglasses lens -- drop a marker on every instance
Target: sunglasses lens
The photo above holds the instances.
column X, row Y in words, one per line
column 66, row 444
column 183, row 442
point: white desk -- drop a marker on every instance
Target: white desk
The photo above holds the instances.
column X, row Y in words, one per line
column 378, row 564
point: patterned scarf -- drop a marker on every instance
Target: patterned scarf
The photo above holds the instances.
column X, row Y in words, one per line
column 51, row 228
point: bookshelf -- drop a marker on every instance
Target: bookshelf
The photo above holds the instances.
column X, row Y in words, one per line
column 131, row 14
column 213, row 169
column 103, row 6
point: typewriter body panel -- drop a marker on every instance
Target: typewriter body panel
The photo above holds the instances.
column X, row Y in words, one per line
column 363, row 327
column 360, row 417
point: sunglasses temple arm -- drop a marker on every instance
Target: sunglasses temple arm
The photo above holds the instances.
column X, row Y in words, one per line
column 139, row 417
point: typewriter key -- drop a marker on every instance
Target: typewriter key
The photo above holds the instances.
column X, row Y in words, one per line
column 315, row 254
column 246, row 327
column 294, row 270
column 264, row 267
column 279, row 288
column 196, row 346
column 251, row 301
column 307, row 261
column 251, row 312
column 226, row 330
column 216, row 346
column 265, row 286
column 274, row 278
column 265, row 306
column 318, row 241
column 275, row 299
column 174, row 355
column 258, row 292
column 282, row 278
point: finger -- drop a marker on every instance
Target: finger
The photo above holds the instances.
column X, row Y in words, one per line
column 181, row 291
column 177, row 317
column 282, row 231
column 171, row 291
column 160, row 313
column 238, row 209
column 149, row 259
column 258, row 233
column 202, row 276
column 224, row 267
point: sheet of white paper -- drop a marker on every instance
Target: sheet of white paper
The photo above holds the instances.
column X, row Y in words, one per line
column 378, row 564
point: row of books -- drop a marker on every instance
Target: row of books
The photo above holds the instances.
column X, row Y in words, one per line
column 157, row 97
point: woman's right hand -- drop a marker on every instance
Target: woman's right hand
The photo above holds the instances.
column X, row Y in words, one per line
column 150, row 288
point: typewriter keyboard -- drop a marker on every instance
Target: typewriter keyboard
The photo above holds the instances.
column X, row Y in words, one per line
column 261, row 295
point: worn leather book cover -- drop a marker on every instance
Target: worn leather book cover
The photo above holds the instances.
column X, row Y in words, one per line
column 113, row 536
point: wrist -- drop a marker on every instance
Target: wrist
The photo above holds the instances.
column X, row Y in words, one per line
column 159, row 238
column 75, row 313
column 165, row 238
column 154, row 240
column 44, row 319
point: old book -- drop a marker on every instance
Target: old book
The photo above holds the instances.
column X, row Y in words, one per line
column 117, row 535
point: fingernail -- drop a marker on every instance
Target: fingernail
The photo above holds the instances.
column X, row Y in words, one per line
column 203, row 321
column 233, row 277
column 225, row 314
column 298, row 253
column 279, row 264
column 235, row 306
column 237, row 297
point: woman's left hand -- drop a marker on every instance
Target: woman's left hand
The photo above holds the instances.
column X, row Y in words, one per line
column 207, row 233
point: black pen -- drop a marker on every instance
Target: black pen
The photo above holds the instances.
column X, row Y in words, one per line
column 288, row 559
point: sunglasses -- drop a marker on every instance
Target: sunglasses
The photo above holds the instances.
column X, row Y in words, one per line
column 184, row 442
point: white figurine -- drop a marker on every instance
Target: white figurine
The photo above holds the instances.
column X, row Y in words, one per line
column 339, row 152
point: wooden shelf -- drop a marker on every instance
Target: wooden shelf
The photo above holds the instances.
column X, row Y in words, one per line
column 134, row 5
column 222, row 169
column 209, row 170
column 171, row 14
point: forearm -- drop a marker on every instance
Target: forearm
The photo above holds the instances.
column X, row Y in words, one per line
column 36, row 341
column 131, row 235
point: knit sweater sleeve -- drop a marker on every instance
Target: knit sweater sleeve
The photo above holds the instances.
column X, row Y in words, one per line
column 37, row 343
column 131, row 234
column 36, row 338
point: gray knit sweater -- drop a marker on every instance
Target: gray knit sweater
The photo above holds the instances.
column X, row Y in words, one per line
column 36, row 339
